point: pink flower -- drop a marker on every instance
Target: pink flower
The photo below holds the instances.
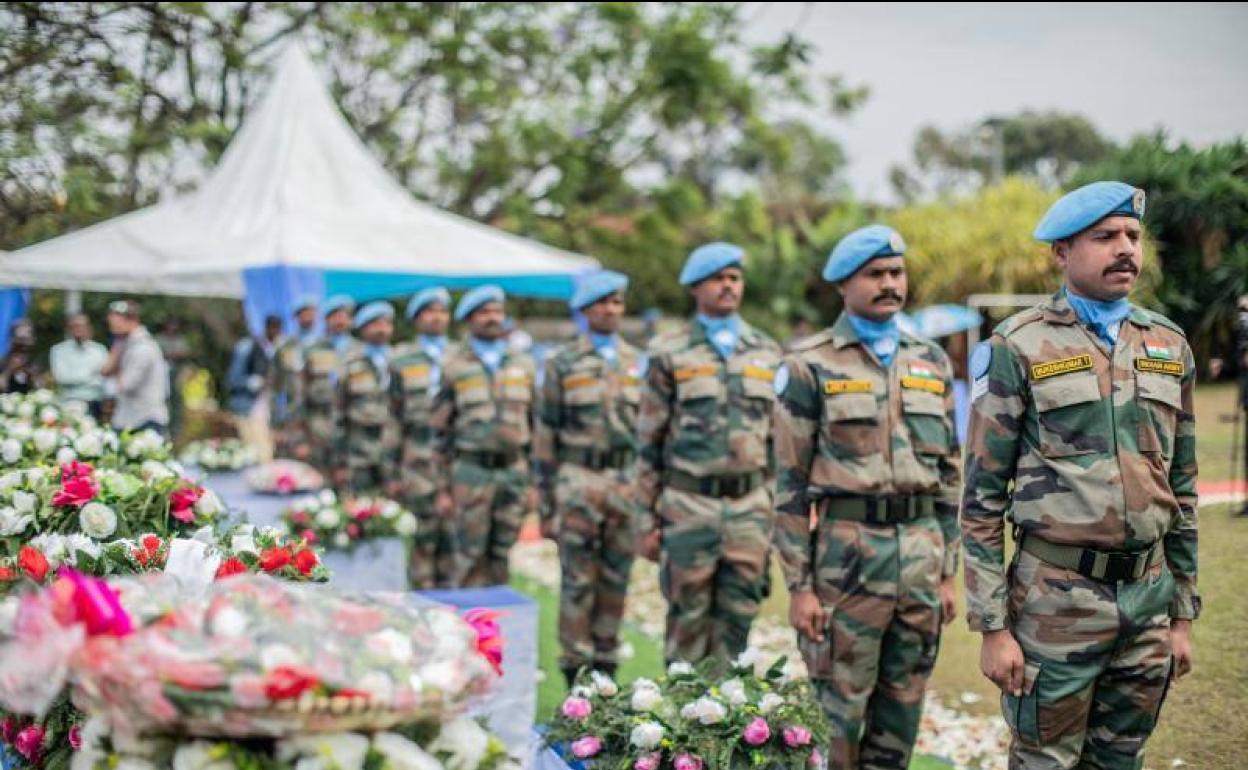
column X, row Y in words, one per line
column 8, row 730
column 75, row 737
column 757, row 732
column 687, row 761
column 285, row 483
column 816, row 759
column 182, row 501
column 29, row 743
column 647, row 761
column 75, row 491
column 576, row 709
column 75, row 469
column 353, row 530
column 796, row 736
column 489, row 637
column 584, row 748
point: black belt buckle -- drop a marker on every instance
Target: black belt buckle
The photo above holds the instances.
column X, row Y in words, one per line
column 1116, row 565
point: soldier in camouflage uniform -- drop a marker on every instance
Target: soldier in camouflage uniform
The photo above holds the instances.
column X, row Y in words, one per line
column 704, row 472
column 1082, row 434
column 286, row 377
column 864, row 433
column 415, row 376
column 324, row 364
column 366, row 438
column 585, row 449
column 482, row 425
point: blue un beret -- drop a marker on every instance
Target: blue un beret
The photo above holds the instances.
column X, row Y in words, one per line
column 1078, row 210
column 339, row 302
column 422, row 299
column 476, row 298
column 709, row 259
column 306, row 301
column 859, row 247
column 372, row 311
column 596, row 286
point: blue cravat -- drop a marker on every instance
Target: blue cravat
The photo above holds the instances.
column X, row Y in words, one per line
column 1103, row 318
column 722, row 332
column 340, row 342
column 435, row 348
column 489, row 351
column 881, row 336
column 604, row 346
column 379, row 354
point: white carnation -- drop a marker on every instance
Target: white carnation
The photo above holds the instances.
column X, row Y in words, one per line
column 603, row 683
column 327, row 518
column 25, row 502
column 748, row 659
column 152, row 470
column 341, row 540
column 406, row 525
column 26, row 410
column 13, row 522
column 208, row 504
column 199, row 755
column 646, row 735
column 43, row 396
column 342, row 751
column 708, row 711
column 97, row 520
column 679, row 668
column 10, row 480
column 65, row 455
column 52, row 546
column 734, row 691
column 646, row 699
column 35, row 475
column 465, row 742
column 89, row 445
column 390, row 510
column 770, row 702
column 45, row 440
column 11, row 450
column 402, row 754
column 81, row 543
column 327, row 497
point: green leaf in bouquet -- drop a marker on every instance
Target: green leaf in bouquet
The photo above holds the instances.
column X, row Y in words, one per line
column 123, row 485
column 776, row 671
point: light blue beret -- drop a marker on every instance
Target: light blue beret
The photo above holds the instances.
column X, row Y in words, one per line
column 372, row 311
column 596, row 286
column 860, row 247
column 306, row 301
column 339, row 302
column 422, row 299
column 1078, row 210
column 708, row 259
column 478, row 297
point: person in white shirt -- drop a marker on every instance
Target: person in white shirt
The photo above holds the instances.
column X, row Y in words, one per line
column 76, row 365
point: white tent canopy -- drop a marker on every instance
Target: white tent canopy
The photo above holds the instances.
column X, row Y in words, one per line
column 296, row 187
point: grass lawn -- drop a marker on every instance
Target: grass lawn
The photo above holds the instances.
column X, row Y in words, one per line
column 1205, row 721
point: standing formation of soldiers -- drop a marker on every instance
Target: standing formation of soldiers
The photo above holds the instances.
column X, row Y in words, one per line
column 713, row 447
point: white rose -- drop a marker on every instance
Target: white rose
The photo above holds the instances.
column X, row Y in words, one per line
column 21, row 431
column 465, row 742
column 770, row 702
column 65, row 455
column 13, row 523
column 199, row 755
column 25, row 502
column 208, row 504
column 151, row 470
column 88, row 445
column 126, row 762
column 10, row 479
column 378, row 684
column 406, row 525
column 243, row 541
column 734, row 691
column 275, row 655
column 403, row 754
column 341, row 540
column 343, row 751
column 679, row 668
column 327, row 518
column 97, row 520
column 35, row 475
column 48, row 415
column 390, row 510
column 391, row 644
column 43, row 396
column 11, row 450
column 603, row 683
column 646, row 735
column 76, row 543
column 748, row 659
column 709, row 711
column 26, row 410
column 231, row 623
column 646, row 699
column 327, row 497
column 45, row 440
column 52, row 546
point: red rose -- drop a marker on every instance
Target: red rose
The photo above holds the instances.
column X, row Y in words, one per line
column 33, row 563
column 285, row 682
column 150, row 543
column 273, row 559
column 140, row 556
column 181, row 502
column 75, row 491
column 299, row 518
column 75, row 469
column 231, row 566
column 306, row 561
column 7, row 574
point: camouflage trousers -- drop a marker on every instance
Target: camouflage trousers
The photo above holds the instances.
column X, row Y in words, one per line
column 712, row 570
column 879, row 585
column 1097, row 666
column 489, row 508
column 318, row 434
column 595, row 556
column 366, row 481
column 432, row 562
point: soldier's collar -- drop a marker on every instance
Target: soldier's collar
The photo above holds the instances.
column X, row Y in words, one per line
column 843, row 334
column 1058, row 311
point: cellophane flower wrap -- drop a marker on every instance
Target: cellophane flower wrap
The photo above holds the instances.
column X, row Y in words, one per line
column 283, row 477
column 714, row 716
column 250, row 656
column 323, row 519
column 219, row 454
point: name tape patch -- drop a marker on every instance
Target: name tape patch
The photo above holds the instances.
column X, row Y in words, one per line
column 1061, row 366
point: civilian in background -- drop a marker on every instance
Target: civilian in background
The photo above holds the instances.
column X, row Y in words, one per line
column 139, row 374
column 18, row 373
column 177, row 352
column 246, row 381
column 77, row 363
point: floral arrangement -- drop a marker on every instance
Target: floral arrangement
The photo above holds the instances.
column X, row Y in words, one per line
column 231, row 661
column 46, row 433
column 460, row 744
column 76, row 498
column 340, row 525
column 219, row 454
column 283, row 477
column 693, row 719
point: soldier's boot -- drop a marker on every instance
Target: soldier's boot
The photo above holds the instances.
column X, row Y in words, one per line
column 606, row 667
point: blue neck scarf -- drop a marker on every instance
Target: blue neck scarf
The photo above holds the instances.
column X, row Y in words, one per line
column 604, row 346
column 882, row 337
column 379, row 355
column 434, row 347
column 722, row 332
column 489, row 351
column 1104, row 319
column 340, row 342
column 307, row 336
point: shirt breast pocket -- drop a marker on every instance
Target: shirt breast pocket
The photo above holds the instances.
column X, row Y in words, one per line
column 1072, row 417
column 926, row 420
column 701, row 398
column 852, row 423
column 1159, row 399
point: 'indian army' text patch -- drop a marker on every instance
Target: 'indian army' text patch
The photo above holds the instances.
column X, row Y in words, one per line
column 690, row 372
column 923, row 383
column 1061, row 366
column 1158, row 366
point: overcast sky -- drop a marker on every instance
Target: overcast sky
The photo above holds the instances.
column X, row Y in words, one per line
column 1128, row 68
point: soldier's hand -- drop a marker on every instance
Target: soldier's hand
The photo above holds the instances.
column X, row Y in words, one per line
column 948, row 600
column 806, row 615
column 1001, row 660
column 443, row 505
column 648, row 546
column 1180, row 648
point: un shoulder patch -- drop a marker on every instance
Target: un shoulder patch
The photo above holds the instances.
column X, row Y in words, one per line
column 981, row 359
column 781, row 380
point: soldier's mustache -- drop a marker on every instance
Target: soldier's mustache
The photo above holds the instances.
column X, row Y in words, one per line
column 888, row 294
column 1122, row 266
